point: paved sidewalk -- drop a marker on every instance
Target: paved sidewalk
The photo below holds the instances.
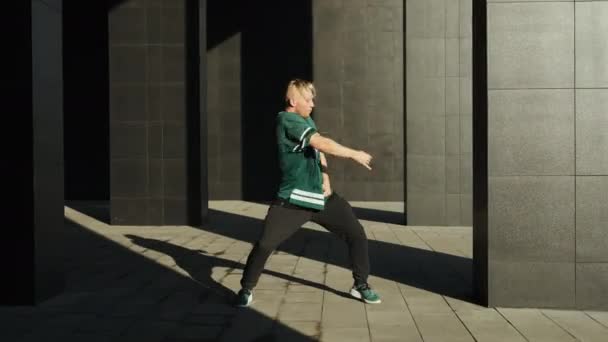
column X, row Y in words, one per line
column 175, row 283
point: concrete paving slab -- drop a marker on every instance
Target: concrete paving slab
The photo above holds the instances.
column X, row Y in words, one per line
column 394, row 333
column 600, row 316
column 334, row 334
column 489, row 326
column 579, row 324
column 300, row 311
column 535, row 326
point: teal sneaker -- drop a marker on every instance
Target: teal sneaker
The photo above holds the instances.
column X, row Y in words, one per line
column 365, row 293
column 244, row 298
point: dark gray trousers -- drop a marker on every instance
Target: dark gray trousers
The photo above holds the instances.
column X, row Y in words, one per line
column 284, row 219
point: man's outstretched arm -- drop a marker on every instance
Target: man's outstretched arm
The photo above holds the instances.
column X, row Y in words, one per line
column 329, row 146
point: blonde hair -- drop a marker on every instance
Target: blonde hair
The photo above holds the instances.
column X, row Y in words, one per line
column 299, row 86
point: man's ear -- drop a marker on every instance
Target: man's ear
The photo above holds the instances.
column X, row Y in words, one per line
column 291, row 102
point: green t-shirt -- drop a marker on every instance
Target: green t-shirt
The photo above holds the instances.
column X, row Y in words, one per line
column 301, row 179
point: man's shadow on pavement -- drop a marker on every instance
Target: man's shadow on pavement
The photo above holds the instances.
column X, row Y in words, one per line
column 199, row 265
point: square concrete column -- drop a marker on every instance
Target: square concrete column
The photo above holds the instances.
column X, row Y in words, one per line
column 438, row 112
column 32, row 169
column 157, row 127
column 540, row 154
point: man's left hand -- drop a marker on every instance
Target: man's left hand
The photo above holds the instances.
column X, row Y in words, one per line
column 326, row 190
column 326, row 185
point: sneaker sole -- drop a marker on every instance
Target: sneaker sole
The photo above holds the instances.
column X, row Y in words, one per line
column 357, row 295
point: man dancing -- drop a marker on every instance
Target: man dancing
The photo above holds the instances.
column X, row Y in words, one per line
column 305, row 194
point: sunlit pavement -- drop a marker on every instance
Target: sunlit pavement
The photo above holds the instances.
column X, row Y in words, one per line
column 175, row 283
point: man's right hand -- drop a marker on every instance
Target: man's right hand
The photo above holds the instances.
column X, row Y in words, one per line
column 362, row 158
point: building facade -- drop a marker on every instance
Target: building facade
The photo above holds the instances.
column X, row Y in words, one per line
column 482, row 113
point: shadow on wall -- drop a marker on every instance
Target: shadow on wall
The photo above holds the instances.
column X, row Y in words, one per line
column 276, row 46
column 86, row 99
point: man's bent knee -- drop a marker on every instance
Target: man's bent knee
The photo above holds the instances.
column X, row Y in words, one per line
column 266, row 246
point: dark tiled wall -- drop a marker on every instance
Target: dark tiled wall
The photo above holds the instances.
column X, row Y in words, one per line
column 148, row 149
column 358, row 72
column 439, row 126
column 547, row 160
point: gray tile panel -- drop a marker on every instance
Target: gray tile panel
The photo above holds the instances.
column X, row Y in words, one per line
column 531, row 45
column 531, row 219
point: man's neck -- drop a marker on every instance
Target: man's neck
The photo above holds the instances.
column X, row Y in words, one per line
column 293, row 110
